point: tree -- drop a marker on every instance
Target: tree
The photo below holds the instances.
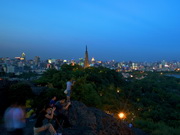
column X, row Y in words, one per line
column 19, row 92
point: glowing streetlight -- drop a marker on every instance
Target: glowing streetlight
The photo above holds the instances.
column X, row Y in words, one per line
column 121, row 115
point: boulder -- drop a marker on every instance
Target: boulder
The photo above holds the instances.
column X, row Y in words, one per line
column 92, row 121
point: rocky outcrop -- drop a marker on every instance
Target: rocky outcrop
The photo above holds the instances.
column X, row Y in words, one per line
column 92, row 121
column 86, row 121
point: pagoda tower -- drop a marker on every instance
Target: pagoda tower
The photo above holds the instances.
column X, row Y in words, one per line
column 86, row 61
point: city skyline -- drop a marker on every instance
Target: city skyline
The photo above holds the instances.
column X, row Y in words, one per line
column 112, row 30
column 91, row 59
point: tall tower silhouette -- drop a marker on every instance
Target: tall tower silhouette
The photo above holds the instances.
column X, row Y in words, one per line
column 86, row 61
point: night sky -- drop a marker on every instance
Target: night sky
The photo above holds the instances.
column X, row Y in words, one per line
column 121, row 30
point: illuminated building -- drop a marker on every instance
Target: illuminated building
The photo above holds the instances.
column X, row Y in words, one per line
column 11, row 69
column 23, row 56
column 49, row 66
column 50, row 61
column 65, row 61
column 93, row 60
column 36, row 60
column 81, row 62
column 18, row 58
column 134, row 66
column 86, row 61
column 73, row 62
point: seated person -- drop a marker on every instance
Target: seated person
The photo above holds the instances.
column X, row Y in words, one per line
column 61, row 106
column 53, row 101
column 47, row 112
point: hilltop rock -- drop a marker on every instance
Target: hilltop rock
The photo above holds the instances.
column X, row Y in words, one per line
column 92, row 121
column 86, row 121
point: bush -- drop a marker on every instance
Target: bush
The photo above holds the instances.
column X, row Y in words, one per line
column 19, row 92
column 153, row 128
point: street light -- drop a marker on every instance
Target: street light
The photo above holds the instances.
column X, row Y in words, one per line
column 122, row 115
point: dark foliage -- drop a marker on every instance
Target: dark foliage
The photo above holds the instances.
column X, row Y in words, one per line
column 151, row 103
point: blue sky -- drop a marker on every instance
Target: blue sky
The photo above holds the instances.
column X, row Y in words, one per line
column 123, row 30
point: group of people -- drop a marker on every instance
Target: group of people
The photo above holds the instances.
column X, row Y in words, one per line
column 53, row 112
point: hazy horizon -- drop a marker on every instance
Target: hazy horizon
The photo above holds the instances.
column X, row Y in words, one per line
column 113, row 30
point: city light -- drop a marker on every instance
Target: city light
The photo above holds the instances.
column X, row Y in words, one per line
column 64, row 61
column 49, row 61
column 118, row 91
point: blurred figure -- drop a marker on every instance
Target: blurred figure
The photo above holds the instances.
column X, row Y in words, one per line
column 61, row 107
column 53, row 101
column 30, row 115
column 130, row 125
column 46, row 113
column 30, row 112
column 69, row 85
column 14, row 119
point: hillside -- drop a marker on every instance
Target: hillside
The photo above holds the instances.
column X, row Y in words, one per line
column 150, row 100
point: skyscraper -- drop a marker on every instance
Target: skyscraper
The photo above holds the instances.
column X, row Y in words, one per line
column 36, row 60
column 86, row 61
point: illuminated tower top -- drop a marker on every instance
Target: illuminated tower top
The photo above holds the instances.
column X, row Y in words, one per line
column 86, row 61
column 23, row 56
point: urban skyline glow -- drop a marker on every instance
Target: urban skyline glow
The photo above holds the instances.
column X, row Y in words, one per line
column 112, row 30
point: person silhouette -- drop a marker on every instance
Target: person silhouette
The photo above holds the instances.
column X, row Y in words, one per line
column 69, row 85
column 46, row 113
column 14, row 119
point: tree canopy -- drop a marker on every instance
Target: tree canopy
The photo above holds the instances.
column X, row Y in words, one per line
column 151, row 103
